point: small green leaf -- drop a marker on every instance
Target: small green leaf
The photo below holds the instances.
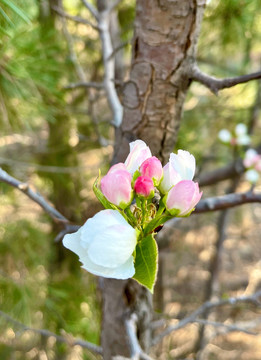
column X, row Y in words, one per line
column 146, row 262
column 157, row 221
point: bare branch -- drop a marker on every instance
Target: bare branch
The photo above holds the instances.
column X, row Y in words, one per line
column 136, row 351
column 35, row 196
column 227, row 172
column 113, row 6
column 229, row 327
column 109, row 68
column 84, row 84
column 215, row 84
column 77, row 19
column 70, row 342
column 208, row 305
column 91, row 8
column 227, row 201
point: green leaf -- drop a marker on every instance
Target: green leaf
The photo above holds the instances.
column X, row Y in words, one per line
column 146, row 262
column 157, row 221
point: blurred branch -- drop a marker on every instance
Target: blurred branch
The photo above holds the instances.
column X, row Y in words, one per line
column 227, row 172
column 85, row 84
column 227, row 201
column 208, row 305
column 91, row 8
column 35, row 196
column 77, row 19
column 113, row 5
column 228, row 327
column 46, row 333
column 44, row 168
column 215, row 84
column 109, row 65
column 131, row 329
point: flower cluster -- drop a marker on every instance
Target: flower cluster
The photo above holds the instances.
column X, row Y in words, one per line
column 252, row 161
column 139, row 196
column 238, row 137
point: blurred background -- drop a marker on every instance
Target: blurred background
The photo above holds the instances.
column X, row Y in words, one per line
column 55, row 136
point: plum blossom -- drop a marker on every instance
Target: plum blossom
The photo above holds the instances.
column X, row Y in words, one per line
column 181, row 166
column 153, row 169
column 105, row 244
column 239, row 136
column 183, row 197
column 139, row 152
column 144, row 187
column 116, row 186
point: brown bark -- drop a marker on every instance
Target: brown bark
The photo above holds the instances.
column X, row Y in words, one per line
column 164, row 47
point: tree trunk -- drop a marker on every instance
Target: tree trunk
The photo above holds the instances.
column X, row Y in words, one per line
column 164, row 49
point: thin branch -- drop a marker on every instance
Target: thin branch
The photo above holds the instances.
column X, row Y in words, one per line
column 208, row 305
column 84, row 84
column 35, row 196
column 131, row 330
column 91, row 8
column 70, row 342
column 229, row 327
column 77, row 19
column 109, row 67
column 113, row 6
column 118, row 48
column 227, row 201
column 43, row 168
column 215, row 84
column 227, row 172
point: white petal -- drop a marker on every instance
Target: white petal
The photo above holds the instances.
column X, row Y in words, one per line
column 252, row 176
column 241, row 129
column 224, row 135
column 114, row 246
column 73, row 243
column 122, row 272
column 184, row 163
column 99, row 223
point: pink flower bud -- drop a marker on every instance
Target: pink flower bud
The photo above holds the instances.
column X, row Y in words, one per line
column 183, row 197
column 116, row 186
column 153, row 169
column 144, row 187
column 139, row 152
column 116, row 167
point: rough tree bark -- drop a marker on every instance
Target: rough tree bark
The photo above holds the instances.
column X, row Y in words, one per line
column 164, row 50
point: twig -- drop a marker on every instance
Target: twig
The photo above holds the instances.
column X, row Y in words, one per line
column 109, row 67
column 85, row 84
column 131, row 330
column 215, row 84
column 35, row 196
column 227, row 172
column 227, row 201
column 43, row 332
column 43, row 168
column 91, row 8
column 229, row 327
column 254, row 299
column 113, row 6
column 77, row 19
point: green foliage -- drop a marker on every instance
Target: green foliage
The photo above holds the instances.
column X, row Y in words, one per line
column 146, row 262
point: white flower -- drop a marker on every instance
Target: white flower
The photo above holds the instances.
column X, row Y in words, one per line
column 240, row 129
column 224, row 135
column 139, row 152
column 243, row 139
column 184, row 164
column 105, row 244
column 252, row 176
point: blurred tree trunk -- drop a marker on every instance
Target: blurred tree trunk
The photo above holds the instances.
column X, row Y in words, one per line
column 164, row 49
